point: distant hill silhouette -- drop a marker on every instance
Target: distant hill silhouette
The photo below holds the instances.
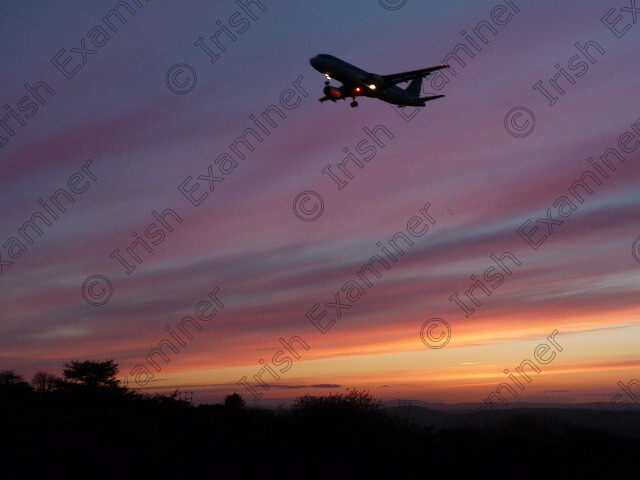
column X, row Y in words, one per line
column 623, row 423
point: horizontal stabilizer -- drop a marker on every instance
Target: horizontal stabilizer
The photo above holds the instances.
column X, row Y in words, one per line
column 433, row 97
column 408, row 76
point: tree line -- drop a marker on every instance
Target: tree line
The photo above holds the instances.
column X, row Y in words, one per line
column 85, row 422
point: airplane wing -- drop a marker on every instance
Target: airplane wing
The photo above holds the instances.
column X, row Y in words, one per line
column 407, row 76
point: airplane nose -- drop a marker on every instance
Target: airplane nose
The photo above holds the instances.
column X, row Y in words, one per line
column 314, row 62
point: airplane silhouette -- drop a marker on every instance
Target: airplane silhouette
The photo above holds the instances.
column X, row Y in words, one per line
column 357, row 83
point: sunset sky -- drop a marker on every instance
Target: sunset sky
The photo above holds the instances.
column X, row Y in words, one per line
column 123, row 145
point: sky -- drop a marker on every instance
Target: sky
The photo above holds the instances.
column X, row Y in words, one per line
column 124, row 135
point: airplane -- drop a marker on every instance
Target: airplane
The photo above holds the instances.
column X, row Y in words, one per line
column 357, row 83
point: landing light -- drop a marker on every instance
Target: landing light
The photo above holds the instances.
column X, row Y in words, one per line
column 372, row 86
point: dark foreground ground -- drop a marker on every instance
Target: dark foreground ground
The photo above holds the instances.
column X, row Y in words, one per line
column 99, row 432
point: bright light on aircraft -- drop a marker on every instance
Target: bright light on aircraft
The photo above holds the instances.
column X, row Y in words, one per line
column 372, row 86
column 358, row 89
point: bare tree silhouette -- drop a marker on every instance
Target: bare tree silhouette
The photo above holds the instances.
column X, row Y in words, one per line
column 44, row 382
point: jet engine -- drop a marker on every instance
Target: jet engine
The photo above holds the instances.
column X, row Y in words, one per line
column 332, row 92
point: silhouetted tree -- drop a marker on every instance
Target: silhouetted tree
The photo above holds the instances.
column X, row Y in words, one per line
column 234, row 401
column 92, row 373
column 44, row 382
column 13, row 388
column 9, row 377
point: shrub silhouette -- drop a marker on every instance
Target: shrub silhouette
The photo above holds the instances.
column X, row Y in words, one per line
column 353, row 405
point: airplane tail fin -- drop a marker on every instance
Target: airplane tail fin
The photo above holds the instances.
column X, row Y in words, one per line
column 415, row 86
